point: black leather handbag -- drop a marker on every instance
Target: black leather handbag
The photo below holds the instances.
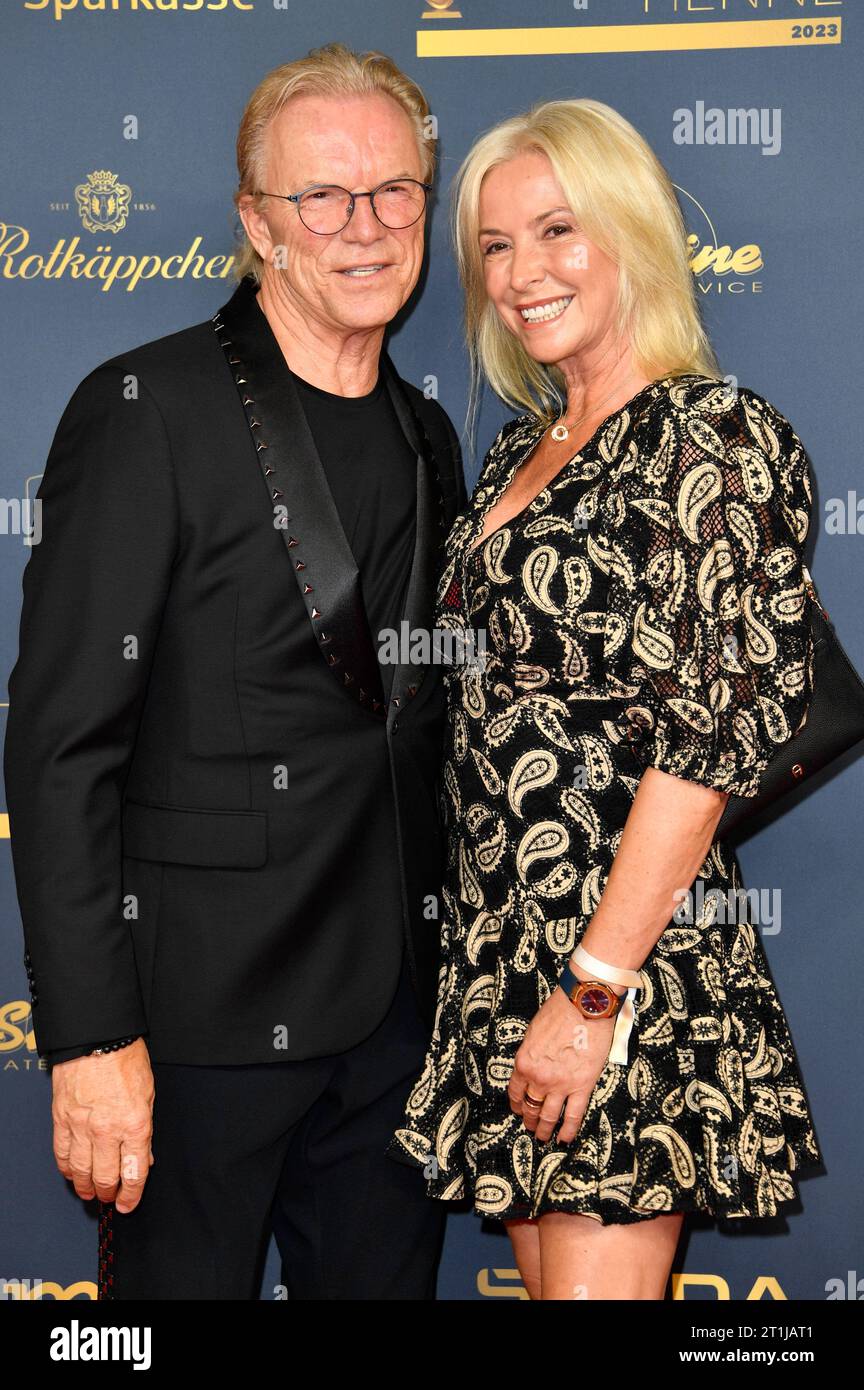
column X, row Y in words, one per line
column 835, row 722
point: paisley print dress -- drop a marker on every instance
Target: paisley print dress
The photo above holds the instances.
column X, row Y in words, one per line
column 647, row 609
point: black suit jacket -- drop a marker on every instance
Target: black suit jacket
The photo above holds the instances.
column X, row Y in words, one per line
column 221, row 831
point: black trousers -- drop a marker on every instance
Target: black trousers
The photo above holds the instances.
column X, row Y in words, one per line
column 290, row 1148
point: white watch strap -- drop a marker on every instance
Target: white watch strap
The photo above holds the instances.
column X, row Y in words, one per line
column 623, row 1025
column 610, row 974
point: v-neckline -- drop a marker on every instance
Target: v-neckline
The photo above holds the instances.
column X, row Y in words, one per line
column 476, row 546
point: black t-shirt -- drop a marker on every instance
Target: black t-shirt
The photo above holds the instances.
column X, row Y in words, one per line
column 372, row 473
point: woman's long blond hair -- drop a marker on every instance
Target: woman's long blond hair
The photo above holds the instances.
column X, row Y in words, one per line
column 331, row 70
column 624, row 201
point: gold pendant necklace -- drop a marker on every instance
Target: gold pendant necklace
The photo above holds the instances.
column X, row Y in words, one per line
column 561, row 431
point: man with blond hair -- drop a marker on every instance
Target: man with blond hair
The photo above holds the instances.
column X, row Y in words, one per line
column 223, row 798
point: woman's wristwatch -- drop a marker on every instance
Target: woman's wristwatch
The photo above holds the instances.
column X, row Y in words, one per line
column 593, row 998
column 597, row 999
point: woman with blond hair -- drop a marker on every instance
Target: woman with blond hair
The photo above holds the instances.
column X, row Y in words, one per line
column 609, row 1050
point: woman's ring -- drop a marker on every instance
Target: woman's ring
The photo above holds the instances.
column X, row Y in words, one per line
column 533, row 1101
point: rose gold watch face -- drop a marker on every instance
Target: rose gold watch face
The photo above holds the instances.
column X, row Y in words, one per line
column 595, row 1001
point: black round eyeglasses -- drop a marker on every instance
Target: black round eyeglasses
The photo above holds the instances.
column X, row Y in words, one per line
column 326, row 208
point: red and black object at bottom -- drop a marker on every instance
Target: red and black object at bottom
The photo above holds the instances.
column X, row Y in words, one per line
column 106, row 1251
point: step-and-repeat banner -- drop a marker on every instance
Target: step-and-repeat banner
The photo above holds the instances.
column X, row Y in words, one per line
column 753, row 107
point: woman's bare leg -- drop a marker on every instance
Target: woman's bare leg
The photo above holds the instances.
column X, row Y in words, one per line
column 580, row 1258
column 525, row 1238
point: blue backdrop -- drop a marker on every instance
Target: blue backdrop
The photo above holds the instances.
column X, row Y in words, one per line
column 151, row 92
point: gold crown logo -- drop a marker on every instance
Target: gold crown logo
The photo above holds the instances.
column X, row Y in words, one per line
column 103, row 203
column 102, row 179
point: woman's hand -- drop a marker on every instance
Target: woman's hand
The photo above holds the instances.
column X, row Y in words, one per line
column 668, row 833
column 560, row 1058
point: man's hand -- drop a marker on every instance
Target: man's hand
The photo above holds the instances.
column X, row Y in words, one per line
column 103, row 1123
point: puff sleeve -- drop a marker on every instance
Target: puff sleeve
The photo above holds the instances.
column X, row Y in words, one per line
column 719, row 635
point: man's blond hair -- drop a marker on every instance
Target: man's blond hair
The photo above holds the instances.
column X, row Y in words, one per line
column 330, row 71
